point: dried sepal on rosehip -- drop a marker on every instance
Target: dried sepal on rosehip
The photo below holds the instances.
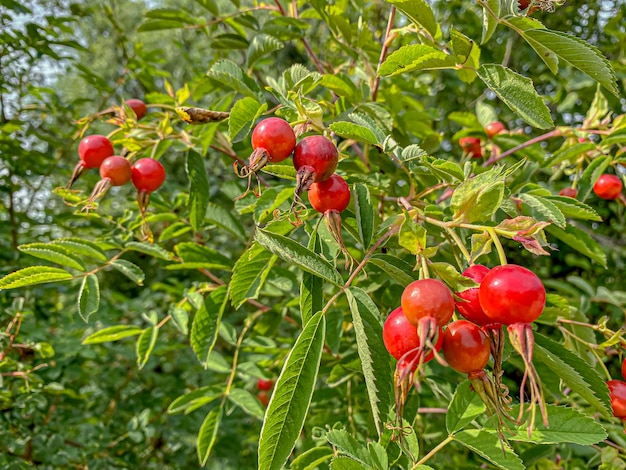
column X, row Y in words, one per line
column 114, row 171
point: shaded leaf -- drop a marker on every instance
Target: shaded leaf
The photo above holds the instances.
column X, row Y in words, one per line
column 208, row 434
column 33, row 275
column 464, row 408
column 580, row 241
column 249, row 274
column 198, row 190
column 112, row 333
column 130, row 270
column 88, row 297
column 242, row 115
column 145, row 345
column 206, row 324
column 55, row 253
column 490, row 447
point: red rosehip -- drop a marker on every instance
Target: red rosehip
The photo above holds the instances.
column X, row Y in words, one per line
column 494, row 128
column 568, row 192
column 315, row 158
column 148, row 175
column 471, row 308
column 400, row 337
column 471, row 146
column 265, row 384
column 608, row 187
column 331, row 194
column 93, row 149
column 617, row 393
column 116, row 169
column 427, row 298
column 512, row 294
column 465, row 347
column 276, row 136
column 263, row 397
column 138, row 106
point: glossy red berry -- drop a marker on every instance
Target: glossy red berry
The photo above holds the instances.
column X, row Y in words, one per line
column 512, row 294
column 331, row 194
column 276, row 136
column 400, row 337
column 608, row 187
column 427, row 298
column 265, row 384
column 116, row 169
column 617, row 393
column 568, row 192
column 263, row 397
column 624, row 369
column 138, row 106
column 465, row 347
column 470, row 308
column 494, row 128
column 148, row 175
column 471, row 146
column 93, row 149
column 315, row 158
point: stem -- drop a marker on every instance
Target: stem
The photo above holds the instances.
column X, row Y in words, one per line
column 459, row 243
column 436, row 449
column 383, row 51
column 548, row 135
column 496, row 241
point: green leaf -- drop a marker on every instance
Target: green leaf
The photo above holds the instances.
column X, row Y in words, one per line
column 464, row 408
column 591, row 174
column 412, row 152
column 478, row 198
column 490, row 447
column 568, row 154
column 249, row 274
column 194, row 256
column 149, row 249
column 544, row 209
column 170, row 14
column 281, row 171
column 198, row 190
column 145, row 345
column 412, row 236
column 577, row 53
column 364, row 213
column 353, row 131
column 574, row 372
column 193, row 400
column 348, row 445
column 294, row 253
column 518, row 93
column 225, row 219
column 489, row 22
column 420, row 13
column 55, row 253
column 130, row 270
column 159, row 25
column 209, row 5
column 580, row 241
column 566, row 424
column 342, row 85
column 415, row 57
column 269, row 201
column 345, row 463
column 112, row 333
column 180, row 316
column 33, row 275
column 312, row 458
column 376, row 365
column 208, row 434
column 247, row 402
column 574, row 209
column 451, row 277
column 206, row 324
column 311, row 287
column 88, row 297
column 467, row 54
column 399, row 270
column 227, row 73
column 378, row 455
column 79, row 246
column 242, row 116
column 262, row 45
column 292, row 395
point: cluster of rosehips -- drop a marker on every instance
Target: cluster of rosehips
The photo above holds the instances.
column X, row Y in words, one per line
column 508, row 295
column 96, row 151
column 617, row 392
column 472, row 145
column 264, row 386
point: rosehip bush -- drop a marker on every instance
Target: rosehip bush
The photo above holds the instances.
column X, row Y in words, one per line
column 139, row 327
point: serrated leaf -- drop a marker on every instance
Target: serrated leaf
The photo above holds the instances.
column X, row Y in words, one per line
column 412, row 236
column 591, row 174
column 130, row 270
column 198, row 190
column 478, row 198
column 376, row 365
column 580, row 241
column 292, row 395
column 145, row 345
column 546, row 209
column 574, row 209
column 149, row 249
column 489, row 21
column 568, row 154
column 269, row 201
column 206, row 324
column 348, row 445
column 574, row 371
column 353, row 131
column 420, row 13
column 112, row 333
column 88, row 297
column 195, row 399
column 364, row 213
column 242, row 115
column 224, row 218
column 281, row 171
column 247, row 402
column 294, row 253
column 33, row 275
column 412, row 152
column 55, row 253
column 451, row 277
column 208, row 434
column 378, row 455
column 490, row 447
column 399, row 270
column 180, row 317
column 577, row 53
column 341, row 85
column 228, row 73
column 81, row 247
column 311, row 459
column 415, row 57
column 464, row 408
column 194, row 256
column 345, row 463
column 311, row 287
column 518, row 93
column 249, row 274
column 262, row 45
column 467, row 54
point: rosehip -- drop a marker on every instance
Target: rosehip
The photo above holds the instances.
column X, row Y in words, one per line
column 138, row 106
column 494, row 128
column 471, row 146
column 608, row 187
column 265, row 384
column 471, row 308
column 276, row 137
column 624, row 369
column 331, row 194
column 427, row 298
column 93, row 149
column 148, row 174
column 315, row 158
column 263, row 397
column 116, row 169
column 568, row 192
column 512, row 294
column 617, row 393
column 465, row 347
